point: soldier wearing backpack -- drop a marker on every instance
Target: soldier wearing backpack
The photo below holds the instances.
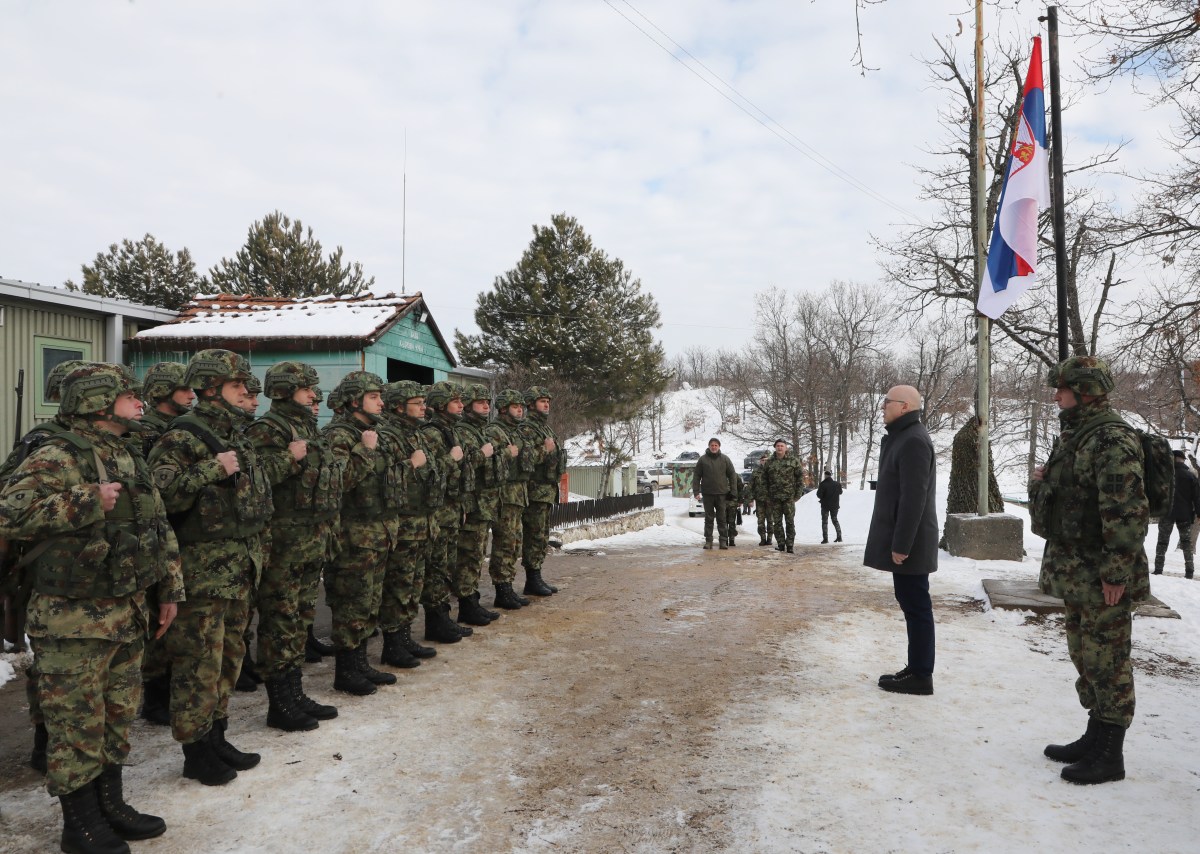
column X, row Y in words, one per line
column 1090, row 503
column 1185, row 510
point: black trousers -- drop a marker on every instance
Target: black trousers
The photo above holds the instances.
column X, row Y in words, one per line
column 912, row 592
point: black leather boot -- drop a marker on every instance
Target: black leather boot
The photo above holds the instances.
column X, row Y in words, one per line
column 85, row 830
column 534, row 585
column 1105, row 763
column 201, row 762
column 127, row 822
column 375, row 677
column 315, row 648
column 491, row 615
column 238, row 760
column 306, row 703
column 763, row 541
column 438, row 626
column 789, row 548
column 1077, row 749
column 395, row 653
column 37, row 757
column 506, row 597
column 156, row 700
column 347, row 677
column 780, row 546
column 282, row 711
column 470, row 613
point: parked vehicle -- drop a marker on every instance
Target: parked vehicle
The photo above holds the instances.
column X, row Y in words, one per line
column 752, row 458
column 695, row 506
column 662, row 476
column 644, row 484
column 688, row 455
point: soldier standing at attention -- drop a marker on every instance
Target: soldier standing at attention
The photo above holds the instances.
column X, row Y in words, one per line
column 248, row 679
column 100, row 540
column 425, row 490
column 829, row 494
column 369, row 519
column 1089, row 502
column 167, row 396
column 443, row 412
column 542, row 490
column 211, row 480
column 484, row 443
column 762, row 502
column 514, row 498
column 306, row 482
column 785, row 485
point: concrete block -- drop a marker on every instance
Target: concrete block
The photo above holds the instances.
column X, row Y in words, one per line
column 1025, row 596
column 997, row 536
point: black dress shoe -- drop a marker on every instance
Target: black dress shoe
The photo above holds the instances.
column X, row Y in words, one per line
column 889, row 677
column 909, row 683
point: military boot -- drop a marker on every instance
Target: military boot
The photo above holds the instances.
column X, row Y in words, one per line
column 156, row 700
column 732, row 544
column 282, row 711
column 238, row 760
column 722, row 543
column 1159, row 560
column 37, row 757
column 770, row 537
column 375, row 677
column 395, row 653
column 1105, row 763
column 412, row 646
column 438, row 626
column 780, row 545
column 85, row 829
column 347, row 677
column 471, row 613
column 1078, row 748
column 506, row 597
column 248, row 679
column 201, row 763
column 491, row 615
column 789, row 549
column 121, row 817
column 763, row 541
column 534, row 585
column 315, row 649
column 306, row 703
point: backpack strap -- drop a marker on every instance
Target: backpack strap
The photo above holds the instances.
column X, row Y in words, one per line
column 191, row 424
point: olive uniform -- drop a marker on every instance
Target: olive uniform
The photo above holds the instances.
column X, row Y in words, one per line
column 514, row 498
column 481, row 506
column 543, row 493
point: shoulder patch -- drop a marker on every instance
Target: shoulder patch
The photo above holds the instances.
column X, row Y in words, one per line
column 1113, row 483
column 163, row 476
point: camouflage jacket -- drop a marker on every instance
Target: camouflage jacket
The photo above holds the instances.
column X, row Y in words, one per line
column 154, row 424
column 758, row 484
column 1092, row 509
column 443, row 432
column 515, row 489
column 543, row 481
column 490, row 472
column 784, row 478
column 187, row 472
column 53, row 493
column 426, row 486
column 374, row 487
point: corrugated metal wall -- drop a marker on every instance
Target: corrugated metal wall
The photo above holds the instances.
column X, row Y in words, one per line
column 586, row 480
column 22, row 324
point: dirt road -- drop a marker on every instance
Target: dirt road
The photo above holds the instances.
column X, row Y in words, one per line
column 590, row 721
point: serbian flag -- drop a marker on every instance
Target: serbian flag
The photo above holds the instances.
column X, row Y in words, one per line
column 1012, row 254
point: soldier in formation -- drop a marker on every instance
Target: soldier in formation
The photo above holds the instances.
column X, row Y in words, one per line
column 542, row 490
column 514, row 498
column 486, row 449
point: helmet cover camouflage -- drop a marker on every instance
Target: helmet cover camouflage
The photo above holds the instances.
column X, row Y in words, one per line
column 398, row 393
column 163, row 379
column 94, row 387
column 475, row 392
column 440, row 394
column 286, row 378
column 253, row 386
column 352, row 388
column 213, row 368
column 57, row 374
column 508, row 397
column 536, row 392
column 1082, row 375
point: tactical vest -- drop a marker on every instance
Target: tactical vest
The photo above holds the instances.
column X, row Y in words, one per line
column 460, row 476
column 109, row 559
column 235, row 507
column 154, row 424
column 316, row 492
column 520, row 467
column 425, row 488
column 551, row 468
column 27, row 445
column 381, row 493
column 492, row 472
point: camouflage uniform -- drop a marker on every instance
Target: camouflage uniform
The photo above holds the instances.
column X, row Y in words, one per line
column 784, row 486
column 87, row 617
column 220, row 521
column 440, row 432
column 1091, row 507
column 543, row 493
column 733, row 507
column 483, row 505
column 762, row 505
column 514, row 498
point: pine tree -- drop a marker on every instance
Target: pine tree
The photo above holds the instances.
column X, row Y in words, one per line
column 281, row 259
column 567, row 306
column 144, row 272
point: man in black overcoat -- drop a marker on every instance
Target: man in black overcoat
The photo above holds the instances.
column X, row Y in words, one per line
column 903, row 539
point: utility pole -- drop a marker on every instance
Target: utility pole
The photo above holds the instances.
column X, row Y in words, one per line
column 983, row 354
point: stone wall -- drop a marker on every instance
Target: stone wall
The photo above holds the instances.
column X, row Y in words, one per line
column 610, row 527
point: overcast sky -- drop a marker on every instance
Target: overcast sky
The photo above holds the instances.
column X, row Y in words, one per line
column 191, row 120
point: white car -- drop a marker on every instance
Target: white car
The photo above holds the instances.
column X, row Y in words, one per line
column 695, row 506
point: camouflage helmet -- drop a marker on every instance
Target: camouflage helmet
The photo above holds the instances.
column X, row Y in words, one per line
column 253, row 386
column 94, row 387
column 286, row 378
column 163, row 379
column 442, row 393
column 57, row 374
column 352, row 387
column 536, row 392
column 318, row 394
column 213, row 368
column 508, row 397
column 478, row 391
column 398, row 393
column 1082, row 375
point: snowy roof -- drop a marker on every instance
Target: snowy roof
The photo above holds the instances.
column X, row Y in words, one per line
column 230, row 316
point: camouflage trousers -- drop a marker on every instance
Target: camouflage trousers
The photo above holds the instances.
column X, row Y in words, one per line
column 442, row 559
column 827, row 514
column 88, row 690
column 155, row 661
column 733, row 509
column 206, row 644
column 783, row 518
column 715, row 510
column 1165, row 527
column 766, row 527
column 31, row 692
column 1099, row 639
column 506, row 543
column 472, row 544
column 354, row 591
column 404, row 578
column 287, row 605
column 535, row 534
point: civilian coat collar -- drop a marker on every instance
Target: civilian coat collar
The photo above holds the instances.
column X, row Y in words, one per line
column 905, row 421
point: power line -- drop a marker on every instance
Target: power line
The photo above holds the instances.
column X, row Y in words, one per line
column 750, row 109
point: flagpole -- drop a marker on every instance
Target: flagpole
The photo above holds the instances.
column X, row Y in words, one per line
column 1056, row 183
column 983, row 331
